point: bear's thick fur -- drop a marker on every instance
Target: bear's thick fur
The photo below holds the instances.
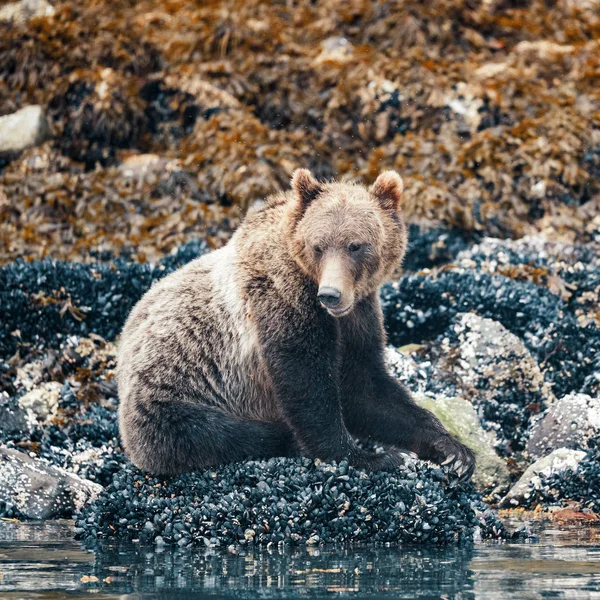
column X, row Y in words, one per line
column 274, row 344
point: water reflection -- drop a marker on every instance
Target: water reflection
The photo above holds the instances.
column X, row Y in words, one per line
column 37, row 559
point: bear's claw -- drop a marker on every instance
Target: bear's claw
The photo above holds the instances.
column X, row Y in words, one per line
column 456, row 456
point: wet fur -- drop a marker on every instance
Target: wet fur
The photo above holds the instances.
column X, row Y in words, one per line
column 232, row 356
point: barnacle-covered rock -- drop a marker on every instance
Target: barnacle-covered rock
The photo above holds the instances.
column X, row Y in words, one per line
column 570, row 422
column 557, row 462
column 498, row 372
column 35, row 489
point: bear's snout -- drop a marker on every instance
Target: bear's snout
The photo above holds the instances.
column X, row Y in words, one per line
column 329, row 297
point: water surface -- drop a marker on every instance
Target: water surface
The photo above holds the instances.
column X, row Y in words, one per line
column 41, row 560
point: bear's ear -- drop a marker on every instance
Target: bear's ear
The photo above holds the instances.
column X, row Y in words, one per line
column 387, row 190
column 307, row 188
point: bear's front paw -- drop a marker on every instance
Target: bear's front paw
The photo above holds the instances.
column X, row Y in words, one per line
column 456, row 456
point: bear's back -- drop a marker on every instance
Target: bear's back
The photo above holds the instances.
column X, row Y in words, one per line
column 191, row 334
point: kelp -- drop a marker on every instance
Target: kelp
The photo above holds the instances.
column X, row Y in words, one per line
column 490, row 110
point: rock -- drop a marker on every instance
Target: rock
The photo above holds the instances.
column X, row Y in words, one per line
column 460, row 418
column 22, row 129
column 21, row 12
column 41, row 403
column 495, row 369
column 569, row 423
column 559, row 461
column 465, row 103
column 138, row 165
column 13, row 418
column 543, row 49
column 336, row 50
column 38, row 490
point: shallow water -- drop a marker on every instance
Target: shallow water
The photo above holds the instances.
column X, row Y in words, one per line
column 41, row 560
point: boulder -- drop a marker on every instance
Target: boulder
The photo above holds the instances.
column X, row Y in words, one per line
column 21, row 12
column 569, row 423
column 496, row 370
column 22, row 129
column 558, row 461
column 39, row 490
column 460, row 418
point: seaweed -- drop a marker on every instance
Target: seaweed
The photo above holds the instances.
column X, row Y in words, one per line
column 488, row 110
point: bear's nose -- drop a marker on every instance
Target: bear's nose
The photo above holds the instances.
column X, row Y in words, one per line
column 329, row 296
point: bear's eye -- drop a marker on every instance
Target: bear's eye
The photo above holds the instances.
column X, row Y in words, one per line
column 355, row 248
column 318, row 249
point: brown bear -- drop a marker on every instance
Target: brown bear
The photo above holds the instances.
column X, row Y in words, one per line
column 274, row 344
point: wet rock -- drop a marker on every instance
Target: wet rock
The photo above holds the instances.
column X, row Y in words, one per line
column 569, row 423
column 34, row 489
column 557, row 462
column 21, row 12
column 460, row 418
column 22, row 129
column 498, row 372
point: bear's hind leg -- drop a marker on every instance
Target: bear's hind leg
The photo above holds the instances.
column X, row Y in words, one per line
column 172, row 437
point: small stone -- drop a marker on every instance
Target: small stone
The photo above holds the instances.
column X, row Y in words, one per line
column 335, row 50
column 21, row 12
column 263, row 486
column 22, row 129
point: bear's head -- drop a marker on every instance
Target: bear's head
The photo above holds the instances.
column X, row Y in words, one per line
column 345, row 237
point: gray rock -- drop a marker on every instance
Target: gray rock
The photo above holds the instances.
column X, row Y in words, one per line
column 20, row 130
column 20, row 12
column 13, row 418
column 569, row 423
column 460, row 418
column 40, row 490
column 494, row 369
column 484, row 344
column 560, row 460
